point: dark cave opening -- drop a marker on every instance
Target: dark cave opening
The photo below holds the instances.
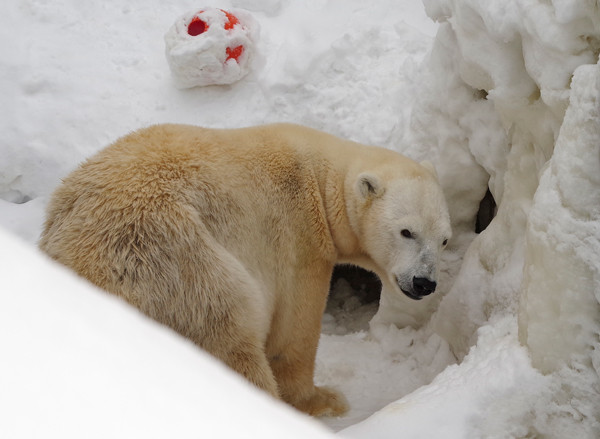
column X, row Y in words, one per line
column 365, row 284
column 486, row 213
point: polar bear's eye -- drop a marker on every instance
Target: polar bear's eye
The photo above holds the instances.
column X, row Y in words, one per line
column 445, row 242
column 406, row 233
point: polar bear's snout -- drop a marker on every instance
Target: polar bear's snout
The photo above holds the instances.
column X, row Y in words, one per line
column 423, row 286
column 417, row 288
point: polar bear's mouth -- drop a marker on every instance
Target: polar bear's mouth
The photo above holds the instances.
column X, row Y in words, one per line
column 408, row 292
column 411, row 295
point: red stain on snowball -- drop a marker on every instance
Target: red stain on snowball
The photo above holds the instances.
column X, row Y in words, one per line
column 234, row 53
column 232, row 20
column 197, row 26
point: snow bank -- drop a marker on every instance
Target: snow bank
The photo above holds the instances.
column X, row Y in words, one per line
column 467, row 401
column 77, row 362
column 511, row 91
column 561, row 289
column 560, row 305
column 505, row 69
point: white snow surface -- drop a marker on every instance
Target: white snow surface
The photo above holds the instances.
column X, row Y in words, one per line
column 501, row 95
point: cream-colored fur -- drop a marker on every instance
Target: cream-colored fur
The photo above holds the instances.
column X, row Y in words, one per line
column 230, row 236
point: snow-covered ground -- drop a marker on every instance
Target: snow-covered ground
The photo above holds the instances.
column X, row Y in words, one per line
column 501, row 95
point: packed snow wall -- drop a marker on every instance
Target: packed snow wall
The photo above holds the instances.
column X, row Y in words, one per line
column 510, row 102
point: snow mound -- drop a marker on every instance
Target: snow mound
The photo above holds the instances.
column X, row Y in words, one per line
column 561, row 286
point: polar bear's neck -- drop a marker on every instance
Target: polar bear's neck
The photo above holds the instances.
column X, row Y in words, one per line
column 332, row 180
column 331, row 159
column 344, row 238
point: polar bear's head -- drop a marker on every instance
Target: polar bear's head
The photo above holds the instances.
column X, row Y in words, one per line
column 403, row 225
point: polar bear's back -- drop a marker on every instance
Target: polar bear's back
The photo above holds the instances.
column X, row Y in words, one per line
column 152, row 192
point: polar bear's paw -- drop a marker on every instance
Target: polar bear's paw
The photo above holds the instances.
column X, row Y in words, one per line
column 323, row 402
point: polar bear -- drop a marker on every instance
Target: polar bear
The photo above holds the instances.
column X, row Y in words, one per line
column 230, row 237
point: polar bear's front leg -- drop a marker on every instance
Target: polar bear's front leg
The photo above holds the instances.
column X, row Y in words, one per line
column 294, row 372
column 292, row 348
column 323, row 402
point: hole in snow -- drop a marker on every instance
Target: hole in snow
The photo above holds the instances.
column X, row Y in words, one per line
column 353, row 300
column 481, row 94
column 592, row 42
column 486, row 212
column 535, row 95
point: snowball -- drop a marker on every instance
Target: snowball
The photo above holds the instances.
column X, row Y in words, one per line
column 210, row 46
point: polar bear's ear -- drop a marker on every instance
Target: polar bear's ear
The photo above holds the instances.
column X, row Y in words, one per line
column 369, row 186
column 429, row 166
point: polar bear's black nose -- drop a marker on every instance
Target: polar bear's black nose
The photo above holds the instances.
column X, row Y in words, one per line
column 422, row 286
